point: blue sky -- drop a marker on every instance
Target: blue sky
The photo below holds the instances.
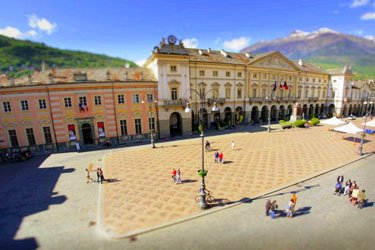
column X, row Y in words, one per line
column 130, row 29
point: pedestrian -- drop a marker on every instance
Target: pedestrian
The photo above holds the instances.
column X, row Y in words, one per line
column 290, row 209
column 216, row 155
column 274, row 208
column 98, row 175
column 268, row 207
column 294, row 198
column 101, row 176
column 178, row 176
column 340, row 178
column 232, row 144
column 174, row 172
column 337, row 188
column 88, row 178
column 221, row 157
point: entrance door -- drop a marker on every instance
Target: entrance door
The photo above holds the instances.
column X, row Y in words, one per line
column 87, row 134
column 175, row 124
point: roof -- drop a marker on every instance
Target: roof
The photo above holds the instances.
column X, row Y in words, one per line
column 308, row 67
column 346, row 70
column 57, row 75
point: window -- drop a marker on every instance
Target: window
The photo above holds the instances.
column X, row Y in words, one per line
column 98, row 100
column 307, row 79
column 325, row 81
column 239, row 74
column 201, row 72
column 120, row 99
column 150, row 97
column 151, row 123
column 138, row 126
column 174, row 94
column 24, row 105
column 273, row 77
column 123, row 127
column 47, row 135
column 299, row 93
column 68, row 102
column 215, row 73
column 313, row 79
column 320, row 80
column 264, row 76
column 30, row 136
column 290, row 78
column 255, row 75
column 173, row 68
column 324, row 94
column 7, row 107
column 264, row 93
column 42, row 104
column 82, row 101
column 227, row 93
column 135, row 98
column 239, row 93
column 101, row 129
column 227, row 73
column 306, row 93
column 300, row 79
column 215, row 93
column 254, row 93
column 13, row 138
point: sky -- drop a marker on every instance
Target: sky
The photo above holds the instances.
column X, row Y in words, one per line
column 130, row 29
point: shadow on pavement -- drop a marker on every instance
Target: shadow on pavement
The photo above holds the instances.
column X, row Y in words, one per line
column 219, row 202
column 291, row 192
column 355, row 139
column 26, row 189
column 302, row 211
column 188, row 181
column 112, row 180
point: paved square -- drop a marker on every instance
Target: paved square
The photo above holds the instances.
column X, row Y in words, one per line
column 143, row 194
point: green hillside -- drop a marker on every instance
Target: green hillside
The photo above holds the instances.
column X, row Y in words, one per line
column 19, row 57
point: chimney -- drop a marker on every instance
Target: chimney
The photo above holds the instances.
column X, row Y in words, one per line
column 300, row 62
column 224, row 53
column 247, row 54
column 209, row 50
column 29, row 78
column 200, row 52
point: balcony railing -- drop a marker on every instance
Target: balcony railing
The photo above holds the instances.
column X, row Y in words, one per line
column 174, row 103
column 211, row 101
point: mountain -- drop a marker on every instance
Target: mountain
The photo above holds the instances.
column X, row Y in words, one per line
column 20, row 57
column 325, row 47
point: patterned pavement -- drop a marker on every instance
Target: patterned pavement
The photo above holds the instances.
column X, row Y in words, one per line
column 142, row 194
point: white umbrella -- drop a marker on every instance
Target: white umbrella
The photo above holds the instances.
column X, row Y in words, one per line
column 349, row 128
column 333, row 121
column 370, row 123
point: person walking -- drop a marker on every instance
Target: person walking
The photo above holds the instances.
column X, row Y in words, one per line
column 88, row 178
column 97, row 174
column 174, row 172
column 294, row 198
column 101, row 176
column 178, row 176
column 221, row 157
column 232, row 144
column 268, row 207
column 216, row 156
column 290, row 209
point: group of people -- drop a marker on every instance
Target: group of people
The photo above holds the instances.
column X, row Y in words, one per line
column 99, row 176
column 351, row 189
column 272, row 207
column 176, row 176
column 219, row 157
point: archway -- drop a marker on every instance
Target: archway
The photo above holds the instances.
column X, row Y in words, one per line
column 282, row 112
column 299, row 110
column 289, row 112
column 175, row 124
column 228, row 115
column 204, row 118
column 311, row 111
column 255, row 114
column 304, row 111
column 87, row 134
column 322, row 111
column 264, row 114
column 331, row 110
column 273, row 113
column 350, row 110
column 237, row 114
column 345, row 111
column 317, row 110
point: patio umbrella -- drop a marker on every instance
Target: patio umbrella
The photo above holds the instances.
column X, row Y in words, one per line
column 333, row 121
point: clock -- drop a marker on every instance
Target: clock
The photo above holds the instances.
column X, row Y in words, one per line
column 172, row 39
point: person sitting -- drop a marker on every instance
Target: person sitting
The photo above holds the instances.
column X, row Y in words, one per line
column 274, row 208
column 362, row 199
column 338, row 188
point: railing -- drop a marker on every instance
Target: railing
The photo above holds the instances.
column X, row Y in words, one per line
column 174, row 103
column 211, row 101
column 273, row 99
column 313, row 99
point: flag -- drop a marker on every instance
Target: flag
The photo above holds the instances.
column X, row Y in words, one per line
column 274, row 86
column 286, row 86
column 281, row 84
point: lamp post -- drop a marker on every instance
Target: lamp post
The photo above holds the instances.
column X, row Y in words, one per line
column 269, row 117
column 202, row 95
column 152, row 129
column 360, row 148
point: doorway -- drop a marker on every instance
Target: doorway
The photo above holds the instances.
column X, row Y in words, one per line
column 87, row 134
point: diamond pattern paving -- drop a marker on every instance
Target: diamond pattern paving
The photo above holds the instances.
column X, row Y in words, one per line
column 145, row 196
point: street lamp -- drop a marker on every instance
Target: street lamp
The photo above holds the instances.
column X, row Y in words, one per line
column 269, row 119
column 360, row 148
column 202, row 95
column 154, row 124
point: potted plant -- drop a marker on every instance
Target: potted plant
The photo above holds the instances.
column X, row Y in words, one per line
column 202, row 173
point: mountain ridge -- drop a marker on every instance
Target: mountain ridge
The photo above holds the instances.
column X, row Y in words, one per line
column 326, row 48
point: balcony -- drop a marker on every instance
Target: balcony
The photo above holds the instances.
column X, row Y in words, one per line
column 313, row 99
column 211, row 101
column 174, row 103
column 274, row 99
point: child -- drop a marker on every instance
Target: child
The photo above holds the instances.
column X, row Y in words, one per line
column 174, row 175
column 178, row 176
column 290, row 209
column 337, row 188
column 221, row 157
column 88, row 178
column 233, row 145
column 216, row 155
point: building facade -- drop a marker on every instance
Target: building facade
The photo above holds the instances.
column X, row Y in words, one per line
column 246, row 88
column 62, row 108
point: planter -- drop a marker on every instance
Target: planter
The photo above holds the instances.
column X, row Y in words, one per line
column 202, row 174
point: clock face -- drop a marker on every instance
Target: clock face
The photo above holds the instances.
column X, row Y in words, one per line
column 172, row 39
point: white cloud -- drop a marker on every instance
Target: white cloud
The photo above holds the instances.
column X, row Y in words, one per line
column 140, row 62
column 190, row 42
column 13, row 32
column 359, row 3
column 236, row 44
column 368, row 16
column 217, row 41
column 371, row 38
column 42, row 24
